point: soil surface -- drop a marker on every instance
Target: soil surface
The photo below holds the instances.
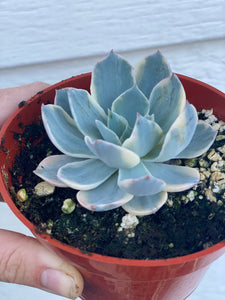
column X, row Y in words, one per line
column 189, row 222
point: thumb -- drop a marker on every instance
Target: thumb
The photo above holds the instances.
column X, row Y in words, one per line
column 10, row 97
column 23, row 260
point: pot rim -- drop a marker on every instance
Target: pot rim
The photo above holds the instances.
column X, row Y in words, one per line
column 94, row 256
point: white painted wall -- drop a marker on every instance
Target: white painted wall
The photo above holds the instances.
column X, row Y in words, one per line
column 53, row 40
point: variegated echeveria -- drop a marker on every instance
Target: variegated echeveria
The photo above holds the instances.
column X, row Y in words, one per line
column 119, row 142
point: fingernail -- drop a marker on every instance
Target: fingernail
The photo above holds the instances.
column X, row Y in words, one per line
column 58, row 283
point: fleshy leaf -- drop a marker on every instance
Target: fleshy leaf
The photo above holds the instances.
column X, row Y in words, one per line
column 177, row 178
column 63, row 132
column 61, row 99
column 126, row 134
column 138, row 181
column 145, row 135
column 150, row 71
column 107, row 134
column 48, row 168
column 179, row 135
column 150, row 117
column 105, row 197
column 167, row 101
column 110, row 78
column 112, row 155
column 85, row 175
column 203, row 138
column 146, row 205
column 130, row 103
column 85, row 111
column 116, row 123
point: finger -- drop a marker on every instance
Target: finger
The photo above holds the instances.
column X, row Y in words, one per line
column 11, row 97
column 23, row 260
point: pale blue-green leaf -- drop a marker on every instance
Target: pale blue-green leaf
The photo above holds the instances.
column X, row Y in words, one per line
column 105, row 197
column 63, row 132
column 150, row 71
column 112, row 155
column 85, row 111
column 138, row 181
column 48, row 168
column 130, row 103
column 179, row 134
column 167, row 101
column 177, row 178
column 150, row 117
column 152, row 155
column 145, row 135
column 61, row 99
column 126, row 134
column 203, row 138
column 116, row 123
column 107, row 134
column 85, row 175
column 110, row 78
column 146, row 205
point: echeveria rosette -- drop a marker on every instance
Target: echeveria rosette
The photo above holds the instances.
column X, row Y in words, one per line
column 119, row 141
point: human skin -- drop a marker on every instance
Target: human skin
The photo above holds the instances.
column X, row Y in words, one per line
column 23, row 260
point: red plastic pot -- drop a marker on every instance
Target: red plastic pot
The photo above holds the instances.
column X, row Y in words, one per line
column 108, row 277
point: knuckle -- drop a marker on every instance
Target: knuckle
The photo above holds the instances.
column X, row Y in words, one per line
column 12, row 267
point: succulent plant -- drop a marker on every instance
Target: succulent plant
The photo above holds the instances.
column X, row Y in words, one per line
column 119, row 142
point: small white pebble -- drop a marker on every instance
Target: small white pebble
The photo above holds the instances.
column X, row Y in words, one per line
column 207, row 174
column 214, row 166
column 202, row 176
column 216, row 188
column 208, row 112
column 191, row 195
column 216, row 126
column 220, row 202
column 170, row 202
column 218, row 177
column 203, row 163
column 209, row 195
column 211, row 119
column 131, row 235
column 222, row 149
column 214, row 156
column 222, row 126
column 44, row 189
column 129, row 221
column 221, row 164
column 220, row 137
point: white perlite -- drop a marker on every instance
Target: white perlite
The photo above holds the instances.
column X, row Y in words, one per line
column 129, row 222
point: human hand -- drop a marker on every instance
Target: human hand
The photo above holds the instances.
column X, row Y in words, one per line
column 11, row 97
column 23, row 260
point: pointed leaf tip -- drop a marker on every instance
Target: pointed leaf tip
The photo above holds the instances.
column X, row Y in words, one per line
column 129, row 103
column 110, row 78
column 150, row 71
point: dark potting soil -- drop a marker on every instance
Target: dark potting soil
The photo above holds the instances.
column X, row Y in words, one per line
column 182, row 226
